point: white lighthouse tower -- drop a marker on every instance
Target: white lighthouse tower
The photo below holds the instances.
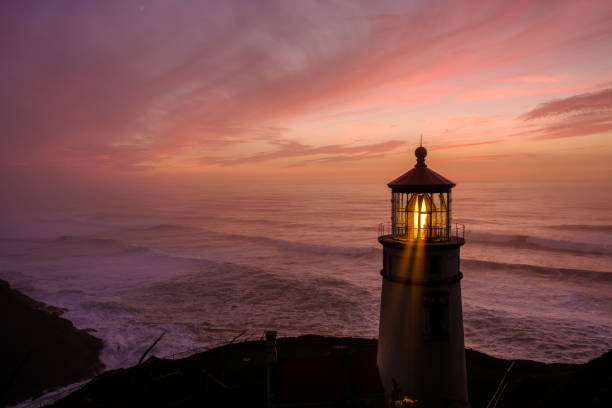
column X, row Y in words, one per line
column 421, row 353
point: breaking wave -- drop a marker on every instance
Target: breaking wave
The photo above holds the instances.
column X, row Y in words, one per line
column 556, row 273
column 582, row 227
column 543, row 244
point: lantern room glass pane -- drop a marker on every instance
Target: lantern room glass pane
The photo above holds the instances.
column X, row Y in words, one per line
column 421, row 216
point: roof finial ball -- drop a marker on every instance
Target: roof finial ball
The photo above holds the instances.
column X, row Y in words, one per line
column 420, row 153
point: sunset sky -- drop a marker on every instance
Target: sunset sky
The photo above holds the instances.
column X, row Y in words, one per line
column 304, row 91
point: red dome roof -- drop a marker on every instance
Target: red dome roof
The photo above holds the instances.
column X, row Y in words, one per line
column 420, row 178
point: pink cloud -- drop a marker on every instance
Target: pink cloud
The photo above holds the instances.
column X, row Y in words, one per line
column 531, row 79
column 292, row 149
column 113, row 85
column 581, row 125
column 592, row 101
column 456, row 124
column 492, row 157
column 469, row 144
column 336, row 159
column 505, row 92
column 579, row 115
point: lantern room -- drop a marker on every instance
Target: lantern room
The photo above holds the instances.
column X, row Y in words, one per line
column 421, row 203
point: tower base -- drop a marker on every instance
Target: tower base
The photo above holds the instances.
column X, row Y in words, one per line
column 421, row 354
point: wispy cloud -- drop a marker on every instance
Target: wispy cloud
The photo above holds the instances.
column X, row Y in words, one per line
column 581, row 125
column 586, row 102
column 115, row 85
column 493, row 156
column 336, row 159
column 534, row 79
column 579, row 115
column 468, row 144
column 330, row 153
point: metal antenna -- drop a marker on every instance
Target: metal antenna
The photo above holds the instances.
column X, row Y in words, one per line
column 421, row 145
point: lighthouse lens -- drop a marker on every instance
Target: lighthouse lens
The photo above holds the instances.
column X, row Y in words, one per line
column 423, row 220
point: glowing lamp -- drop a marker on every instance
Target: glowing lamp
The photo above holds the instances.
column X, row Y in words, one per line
column 421, row 203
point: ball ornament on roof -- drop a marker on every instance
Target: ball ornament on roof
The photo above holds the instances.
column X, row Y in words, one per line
column 420, row 153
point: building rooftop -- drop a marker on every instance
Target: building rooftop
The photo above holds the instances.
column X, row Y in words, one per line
column 421, row 178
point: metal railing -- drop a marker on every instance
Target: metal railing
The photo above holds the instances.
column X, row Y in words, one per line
column 428, row 234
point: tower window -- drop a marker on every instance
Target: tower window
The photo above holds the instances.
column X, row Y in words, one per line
column 436, row 315
column 435, row 265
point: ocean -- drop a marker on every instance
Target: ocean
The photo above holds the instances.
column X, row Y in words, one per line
column 230, row 262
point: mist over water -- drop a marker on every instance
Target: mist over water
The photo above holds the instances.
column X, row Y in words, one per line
column 206, row 266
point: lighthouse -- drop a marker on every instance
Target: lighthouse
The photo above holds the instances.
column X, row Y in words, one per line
column 421, row 353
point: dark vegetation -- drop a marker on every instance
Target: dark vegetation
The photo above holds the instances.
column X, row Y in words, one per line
column 327, row 372
column 40, row 350
column 533, row 384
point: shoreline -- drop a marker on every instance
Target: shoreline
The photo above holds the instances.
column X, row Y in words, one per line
column 323, row 371
column 25, row 378
column 41, row 351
